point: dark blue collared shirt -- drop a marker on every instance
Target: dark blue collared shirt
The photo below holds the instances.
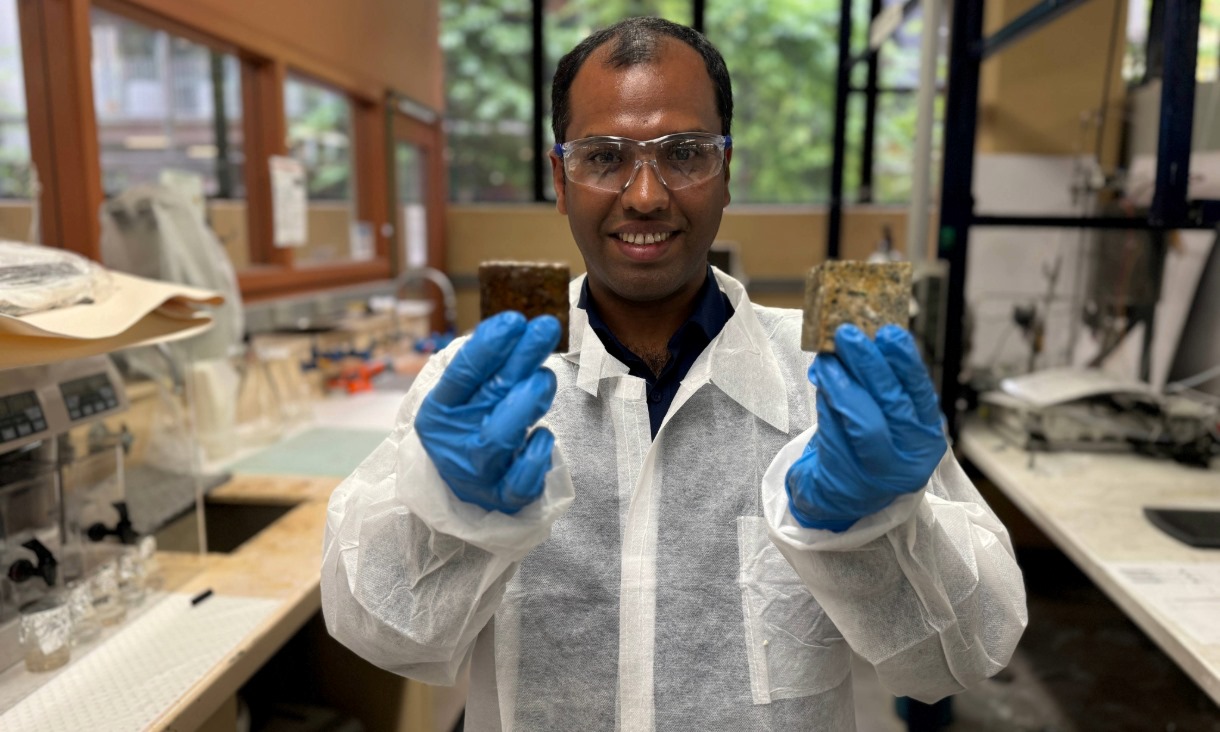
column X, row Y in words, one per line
column 712, row 311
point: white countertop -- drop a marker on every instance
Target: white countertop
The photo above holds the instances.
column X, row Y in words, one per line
column 1091, row 505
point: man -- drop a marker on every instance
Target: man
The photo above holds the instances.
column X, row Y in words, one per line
column 691, row 540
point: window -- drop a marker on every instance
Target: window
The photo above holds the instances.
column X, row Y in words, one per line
column 1209, row 42
column 783, row 94
column 320, row 137
column 1141, row 48
column 16, row 170
column 783, row 91
column 489, row 102
column 897, row 111
column 168, row 108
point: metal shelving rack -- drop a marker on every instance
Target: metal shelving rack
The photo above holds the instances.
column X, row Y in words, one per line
column 1170, row 208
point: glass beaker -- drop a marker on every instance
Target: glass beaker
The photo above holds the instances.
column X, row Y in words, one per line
column 45, row 634
column 259, row 415
column 153, row 579
column 131, row 576
column 85, row 626
column 107, row 602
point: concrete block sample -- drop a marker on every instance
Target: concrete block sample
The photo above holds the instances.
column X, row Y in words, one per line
column 530, row 288
column 867, row 295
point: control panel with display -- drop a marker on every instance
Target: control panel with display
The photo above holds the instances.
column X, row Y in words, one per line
column 40, row 402
column 21, row 415
column 89, row 395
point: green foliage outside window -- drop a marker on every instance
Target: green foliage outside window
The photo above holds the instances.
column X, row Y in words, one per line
column 782, row 55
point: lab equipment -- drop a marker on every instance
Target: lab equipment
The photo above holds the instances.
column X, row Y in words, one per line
column 1092, row 410
column 69, row 521
column 46, row 633
column 879, row 430
column 85, row 626
column 107, row 600
column 131, row 576
column 474, row 423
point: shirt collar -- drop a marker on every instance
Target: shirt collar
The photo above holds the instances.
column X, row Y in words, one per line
column 739, row 360
column 709, row 317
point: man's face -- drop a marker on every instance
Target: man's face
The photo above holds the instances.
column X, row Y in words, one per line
column 672, row 94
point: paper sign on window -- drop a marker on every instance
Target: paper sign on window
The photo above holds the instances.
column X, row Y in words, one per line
column 289, row 201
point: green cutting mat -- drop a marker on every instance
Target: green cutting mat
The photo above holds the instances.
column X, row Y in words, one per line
column 317, row 452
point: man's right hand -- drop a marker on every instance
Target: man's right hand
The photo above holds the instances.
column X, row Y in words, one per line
column 475, row 421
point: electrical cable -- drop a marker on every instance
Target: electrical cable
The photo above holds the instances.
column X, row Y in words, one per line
column 1105, row 82
column 1195, row 380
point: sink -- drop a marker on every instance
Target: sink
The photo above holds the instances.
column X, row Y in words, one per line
column 229, row 525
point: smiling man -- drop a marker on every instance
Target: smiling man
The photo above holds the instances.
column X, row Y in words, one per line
column 707, row 521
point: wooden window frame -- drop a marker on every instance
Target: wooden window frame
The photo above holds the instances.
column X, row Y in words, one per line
column 57, row 56
column 428, row 136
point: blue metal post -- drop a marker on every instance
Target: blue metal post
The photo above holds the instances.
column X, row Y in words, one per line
column 1181, row 46
column 957, row 181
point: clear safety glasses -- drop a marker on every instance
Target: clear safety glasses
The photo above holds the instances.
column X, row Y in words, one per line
column 611, row 163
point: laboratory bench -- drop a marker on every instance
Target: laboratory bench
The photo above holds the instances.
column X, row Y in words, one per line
column 1091, row 506
column 180, row 660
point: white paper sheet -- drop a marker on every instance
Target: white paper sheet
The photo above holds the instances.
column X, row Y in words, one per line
column 415, row 234
column 1189, row 594
column 136, row 675
column 289, row 201
column 363, row 248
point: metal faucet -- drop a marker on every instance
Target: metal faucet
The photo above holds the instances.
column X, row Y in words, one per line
column 123, row 530
column 438, row 278
column 23, row 569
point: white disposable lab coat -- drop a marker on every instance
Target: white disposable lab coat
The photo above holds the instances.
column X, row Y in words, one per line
column 661, row 583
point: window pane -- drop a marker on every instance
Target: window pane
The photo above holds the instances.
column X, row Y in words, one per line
column 410, row 180
column 15, row 168
column 897, row 113
column 567, row 22
column 320, row 136
column 167, row 106
column 1209, row 42
column 164, row 102
column 893, row 156
column 782, row 56
column 489, row 99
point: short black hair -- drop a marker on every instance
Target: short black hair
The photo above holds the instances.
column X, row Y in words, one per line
column 637, row 41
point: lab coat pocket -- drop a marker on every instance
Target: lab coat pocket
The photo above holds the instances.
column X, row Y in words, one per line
column 792, row 647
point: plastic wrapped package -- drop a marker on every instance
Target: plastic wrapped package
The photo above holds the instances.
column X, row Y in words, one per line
column 35, row 278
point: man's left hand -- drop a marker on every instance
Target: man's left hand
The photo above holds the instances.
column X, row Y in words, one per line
column 879, row 433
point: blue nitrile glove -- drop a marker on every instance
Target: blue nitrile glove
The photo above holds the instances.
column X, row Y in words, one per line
column 879, row 432
column 473, row 423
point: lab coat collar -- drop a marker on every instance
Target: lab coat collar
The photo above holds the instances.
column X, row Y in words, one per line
column 739, row 361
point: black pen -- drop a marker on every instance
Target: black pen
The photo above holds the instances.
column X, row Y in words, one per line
column 201, row 597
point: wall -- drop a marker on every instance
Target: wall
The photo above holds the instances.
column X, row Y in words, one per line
column 1034, row 94
column 369, row 44
column 15, row 220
